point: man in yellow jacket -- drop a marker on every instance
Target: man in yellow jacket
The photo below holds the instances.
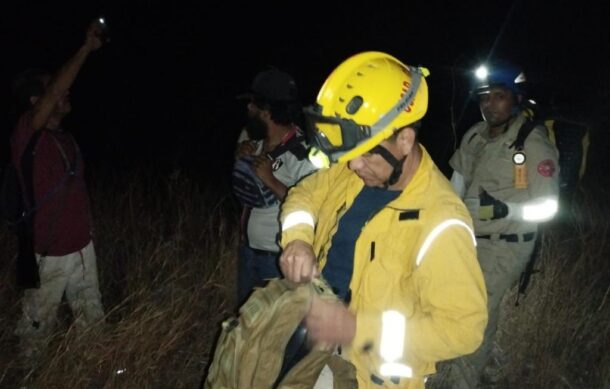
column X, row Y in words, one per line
column 384, row 227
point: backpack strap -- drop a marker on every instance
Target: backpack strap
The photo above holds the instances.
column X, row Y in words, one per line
column 70, row 172
column 27, row 170
column 294, row 144
column 70, row 168
column 526, row 128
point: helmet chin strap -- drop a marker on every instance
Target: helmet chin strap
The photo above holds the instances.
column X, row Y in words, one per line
column 395, row 163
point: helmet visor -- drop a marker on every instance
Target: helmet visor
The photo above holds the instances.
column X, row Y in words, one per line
column 333, row 135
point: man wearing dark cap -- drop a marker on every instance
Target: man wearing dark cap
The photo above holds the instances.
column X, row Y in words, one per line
column 271, row 157
column 274, row 85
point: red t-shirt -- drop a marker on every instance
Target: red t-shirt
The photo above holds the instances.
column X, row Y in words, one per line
column 62, row 222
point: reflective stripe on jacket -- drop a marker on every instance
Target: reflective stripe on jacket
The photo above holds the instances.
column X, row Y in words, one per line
column 487, row 164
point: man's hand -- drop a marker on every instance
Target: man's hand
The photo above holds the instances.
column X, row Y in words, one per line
column 486, row 207
column 330, row 322
column 491, row 208
column 262, row 166
column 298, row 262
column 245, row 148
column 93, row 39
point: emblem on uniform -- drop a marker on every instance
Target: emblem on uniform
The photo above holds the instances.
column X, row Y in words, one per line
column 276, row 164
column 546, row 168
column 519, row 170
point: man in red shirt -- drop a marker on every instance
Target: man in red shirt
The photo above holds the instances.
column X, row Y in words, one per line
column 62, row 226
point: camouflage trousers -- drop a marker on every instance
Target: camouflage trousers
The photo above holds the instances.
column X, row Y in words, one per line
column 75, row 275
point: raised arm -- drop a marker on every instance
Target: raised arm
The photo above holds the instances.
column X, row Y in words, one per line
column 63, row 79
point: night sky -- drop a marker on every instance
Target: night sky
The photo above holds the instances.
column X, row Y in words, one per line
column 164, row 88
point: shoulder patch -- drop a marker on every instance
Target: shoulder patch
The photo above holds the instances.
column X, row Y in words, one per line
column 546, row 168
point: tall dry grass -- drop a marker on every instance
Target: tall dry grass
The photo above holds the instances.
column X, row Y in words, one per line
column 166, row 251
column 559, row 335
column 167, row 247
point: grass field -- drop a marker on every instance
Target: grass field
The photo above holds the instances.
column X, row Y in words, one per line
column 166, row 256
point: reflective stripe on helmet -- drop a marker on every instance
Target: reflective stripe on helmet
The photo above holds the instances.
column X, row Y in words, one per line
column 416, row 76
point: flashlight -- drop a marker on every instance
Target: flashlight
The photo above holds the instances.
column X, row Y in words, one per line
column 101, row 21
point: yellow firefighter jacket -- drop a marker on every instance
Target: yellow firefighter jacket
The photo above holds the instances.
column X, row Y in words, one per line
column 416, row 256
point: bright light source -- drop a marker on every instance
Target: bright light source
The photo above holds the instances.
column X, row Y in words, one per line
column 392, row 342
column 392, row 335
column 318, row 159
column 481, row 72
column 541, row 211
column 101, row 20
column 532, row 101
column 519, row 158
column 121, row 371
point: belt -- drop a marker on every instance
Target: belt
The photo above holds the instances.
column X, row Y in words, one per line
column 513, row 238
column 263, row 252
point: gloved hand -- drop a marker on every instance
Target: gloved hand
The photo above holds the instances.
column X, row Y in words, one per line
column 491, row 208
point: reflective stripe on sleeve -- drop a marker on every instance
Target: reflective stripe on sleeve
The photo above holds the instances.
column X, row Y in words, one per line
column 540, row 210
column 436, row 232
column 296, row 218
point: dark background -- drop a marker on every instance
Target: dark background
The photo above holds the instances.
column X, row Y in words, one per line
column 163, row 90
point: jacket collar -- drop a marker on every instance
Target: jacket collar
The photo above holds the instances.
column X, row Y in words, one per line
column 411, row 196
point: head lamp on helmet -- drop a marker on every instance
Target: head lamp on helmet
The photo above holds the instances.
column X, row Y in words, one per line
column 500, row 74
column 363, row 102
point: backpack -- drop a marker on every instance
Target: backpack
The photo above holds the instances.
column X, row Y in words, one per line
column 265, row 346
column 11, row 202
column 248, row 188
column 572, row 141
column 17, row 201
column 17, row 209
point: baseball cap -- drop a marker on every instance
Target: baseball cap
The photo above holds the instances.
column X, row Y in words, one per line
column 273, row 85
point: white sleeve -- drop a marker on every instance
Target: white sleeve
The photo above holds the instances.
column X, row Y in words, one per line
column 457, row 181
column 243, row 136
